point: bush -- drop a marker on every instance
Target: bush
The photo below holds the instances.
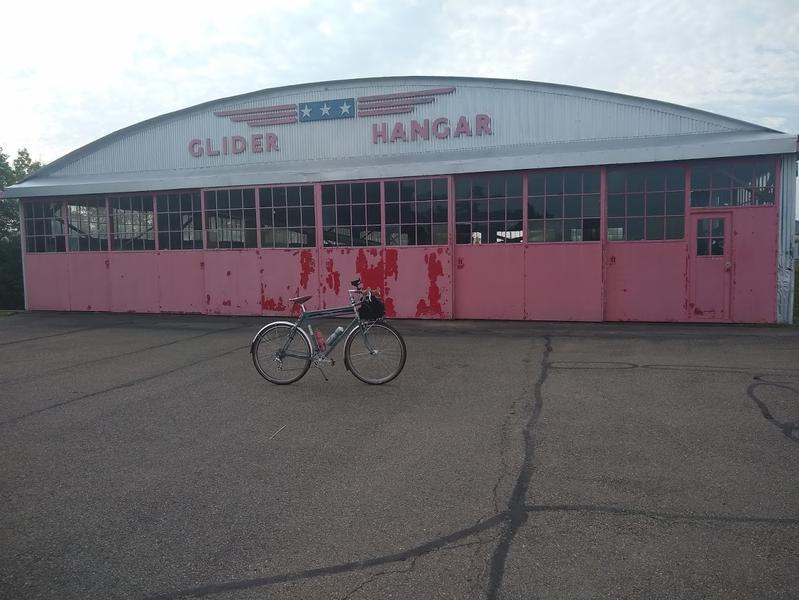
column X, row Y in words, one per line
column 12, row 296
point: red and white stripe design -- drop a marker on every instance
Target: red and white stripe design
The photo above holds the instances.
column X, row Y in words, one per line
column 262, row 116
column 397, row 104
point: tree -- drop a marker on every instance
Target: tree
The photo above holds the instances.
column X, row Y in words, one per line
column 11, row 284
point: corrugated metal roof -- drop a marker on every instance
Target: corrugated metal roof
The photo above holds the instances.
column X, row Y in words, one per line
column 533, row 125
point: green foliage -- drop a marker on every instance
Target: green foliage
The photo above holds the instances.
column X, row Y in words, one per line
column 11, row 290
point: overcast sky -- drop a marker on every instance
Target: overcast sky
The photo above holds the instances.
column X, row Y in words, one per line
column 75, row 71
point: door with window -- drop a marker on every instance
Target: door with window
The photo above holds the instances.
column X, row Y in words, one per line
column 711, row 268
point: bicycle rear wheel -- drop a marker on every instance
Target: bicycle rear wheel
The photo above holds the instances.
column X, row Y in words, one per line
column 375, row 353
column 281, row 353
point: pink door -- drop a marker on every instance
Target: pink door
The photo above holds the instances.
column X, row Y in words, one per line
column 711, row 266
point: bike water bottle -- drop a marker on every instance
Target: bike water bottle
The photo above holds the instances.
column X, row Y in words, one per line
column 335, row 335
column 320, row 340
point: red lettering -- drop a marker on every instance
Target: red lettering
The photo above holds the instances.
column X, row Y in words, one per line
column 257, row 143
column 379, row 134
column 271, row 142
column 224, row 145
column 463, row 127
column 482, row 125
column 420, row 131
column 398, row 133
column 441, row 133
column 209, row 148
column 239, row 144
column 196, row 148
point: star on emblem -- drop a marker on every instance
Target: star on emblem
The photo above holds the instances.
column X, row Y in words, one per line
column 306, row 111
column 325, row 110
column 345, row 108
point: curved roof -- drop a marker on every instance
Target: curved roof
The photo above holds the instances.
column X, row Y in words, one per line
column 530, row 125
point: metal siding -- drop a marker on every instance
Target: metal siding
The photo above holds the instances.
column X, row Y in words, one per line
column 785, row 256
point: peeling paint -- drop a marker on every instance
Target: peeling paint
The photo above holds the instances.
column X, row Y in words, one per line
column 432, row 307
column 371, row 276
column 269, row 304
column 307, row 267
column 391, row 262
column 333, row 277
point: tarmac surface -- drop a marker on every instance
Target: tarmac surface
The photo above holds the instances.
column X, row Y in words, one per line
column 141, row 456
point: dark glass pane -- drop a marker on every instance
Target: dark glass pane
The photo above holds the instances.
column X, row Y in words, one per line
column 496, row 186
column 392, row 191
column 28, row 210
column 763, row 175
column 675, row 178
column 743, row 175
column 591, row 205
column 328, row 194
column 535, row 231
column 635, row 229
column 308, row 216
column 655, row 228
column 265, row 197
column 248, row 198
column 408, row 234
column 716, row 246
column 655, row 204
column 279, row 216
column 572, row 230
column 328, row 215
column 720, row 177
column 514, row 209
column 554, row 207
column 210, row 201
column 514, row 185
column 675, row 227
column 554, row 230
column 293, row 196
column 373, row 192
column 249, row 218
column 342, row 193
column 423, row 189
column 763, row 196
column 164, row 240
column 440, row 189
column 573, row 183
column 373, row 214
column 703, row 247
column 591, row 230
column 306, row 195
column 700, row 199
column 424, row 235
column 293, row 219
column 480, row 187
column 700, row 178
column 572, row 207
column 440, row 211
column 636, row 180
column 535, row 208
column 392, row 235
column 440, row 233
column 703, row 228
column 424, row 212
column 720, row 197
column 407, row 213
column 675, row 203
column 554, row 183
column 407, row 191
column 358, row 214
column 358, row 236
column 616, row 205
column 343, row 214
column 358, row 191
column 226, row 199
column 635, row 205
column 479, row 210
column 655, row 180
column 279, row 196
column 463, row 189
column 496, row 209
column 591, row 182
column 463, row 233
column 717, row 227
column 463, row 211
column 266, row 217
column 392, row 213
column 615, row 230
column 496, row 233
column 616, row 180
column 195, row 202
column 535, row 185
column 480, row 233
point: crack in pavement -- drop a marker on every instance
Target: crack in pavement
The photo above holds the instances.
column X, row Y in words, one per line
column 790, row 429
column 376, row 576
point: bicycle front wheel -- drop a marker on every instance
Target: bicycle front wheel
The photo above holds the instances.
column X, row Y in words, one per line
column 375, row 353
column 281, row 354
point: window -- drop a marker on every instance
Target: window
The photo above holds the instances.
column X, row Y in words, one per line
column 230, row 218
column 732, row 184
column 563, row 206
column 88, row 224
column 287, row 217
column 646, row 204
column 488, row 209
column 710, row 237
column 44, row 226
column 132, row 226
column 351, row 214
column 416, row 212
column 180, row 223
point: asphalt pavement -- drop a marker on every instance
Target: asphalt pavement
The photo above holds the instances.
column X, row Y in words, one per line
column 142, row 456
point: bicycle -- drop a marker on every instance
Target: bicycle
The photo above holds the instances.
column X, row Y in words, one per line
column 374, row 351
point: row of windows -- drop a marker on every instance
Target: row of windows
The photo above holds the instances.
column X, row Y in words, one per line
column 560, row 206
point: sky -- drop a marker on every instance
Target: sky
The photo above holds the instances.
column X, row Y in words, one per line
column 76, row 71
